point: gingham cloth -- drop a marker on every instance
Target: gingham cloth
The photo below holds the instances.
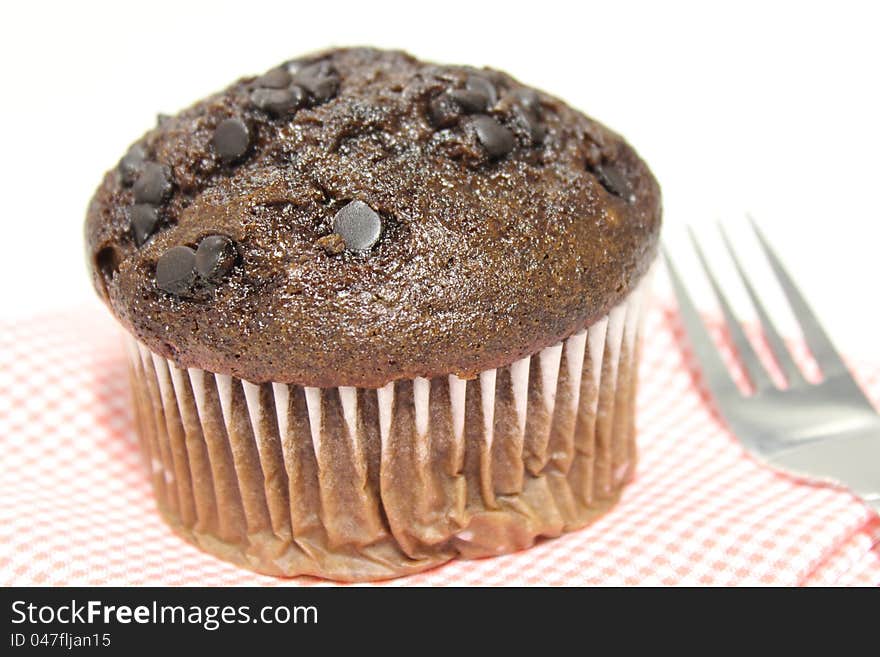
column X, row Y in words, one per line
column 76, row 506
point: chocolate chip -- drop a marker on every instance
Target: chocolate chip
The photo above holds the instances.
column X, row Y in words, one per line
column 612, row 179
column 162, row 118
column 495, row 138
column 277, row 78
column 143, row 219
column 478, row 95
column 358, row 225
column 529, row 100
column 175, row 270
column 320, row 79
column 533, row 126
column 527, row 109
column 279, row 101
column 153, row 184
column 443, row 111
column 469, row 101
column 333, row 244
column 131, row 164
column 592, row 155
column 477, row 84
column 537, row 129
column 231, row 139
column 215, row 257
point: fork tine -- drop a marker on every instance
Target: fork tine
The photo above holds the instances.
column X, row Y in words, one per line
column 715, row 371
column 752, row 364
column 823, row 350
column 777, row 346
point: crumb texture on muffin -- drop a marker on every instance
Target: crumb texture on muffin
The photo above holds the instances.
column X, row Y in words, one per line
column 357, row 216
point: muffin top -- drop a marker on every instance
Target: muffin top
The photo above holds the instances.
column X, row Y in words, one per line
column 358, row 216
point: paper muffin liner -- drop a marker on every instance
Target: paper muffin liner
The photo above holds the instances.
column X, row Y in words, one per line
column 360, row 484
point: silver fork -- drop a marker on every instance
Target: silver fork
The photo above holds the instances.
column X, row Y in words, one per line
column 826, row 431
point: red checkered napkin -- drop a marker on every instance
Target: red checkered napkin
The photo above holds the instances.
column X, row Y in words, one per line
column 76, row 506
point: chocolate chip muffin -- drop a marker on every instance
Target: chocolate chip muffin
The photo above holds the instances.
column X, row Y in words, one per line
column 381, row 313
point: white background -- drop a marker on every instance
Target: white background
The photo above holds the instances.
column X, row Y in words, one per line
column 770, row 108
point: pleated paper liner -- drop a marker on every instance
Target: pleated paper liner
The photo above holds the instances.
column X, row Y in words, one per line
column 361, row 484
